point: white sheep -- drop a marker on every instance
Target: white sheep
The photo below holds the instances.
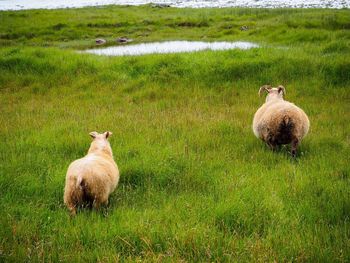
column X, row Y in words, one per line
column 91, row 179
column 279, row 122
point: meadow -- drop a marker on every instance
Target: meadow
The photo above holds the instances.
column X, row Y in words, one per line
column 196, row 185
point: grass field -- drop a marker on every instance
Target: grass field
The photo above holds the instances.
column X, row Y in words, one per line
column 196, row 185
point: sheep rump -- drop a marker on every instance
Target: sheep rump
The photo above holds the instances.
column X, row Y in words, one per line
column 91, row 179
column 279, row 122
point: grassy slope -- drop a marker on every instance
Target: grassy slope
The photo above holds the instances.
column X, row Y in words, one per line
column 195, row 183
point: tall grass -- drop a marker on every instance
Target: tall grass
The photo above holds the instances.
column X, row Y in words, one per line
column 196, row 185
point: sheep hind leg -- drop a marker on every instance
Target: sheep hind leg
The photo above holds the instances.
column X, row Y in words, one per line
column 271, row 144
column 98, row 202
column 105, row 207
column 71, row 199
column 294, row 147
column 73, row 210
column 71, row 205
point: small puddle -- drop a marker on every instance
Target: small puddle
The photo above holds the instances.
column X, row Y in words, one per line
column 168, row 47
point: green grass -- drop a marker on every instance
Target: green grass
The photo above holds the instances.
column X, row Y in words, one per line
column 196, row 185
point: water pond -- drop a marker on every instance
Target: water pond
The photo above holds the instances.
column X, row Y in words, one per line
column 168, row 47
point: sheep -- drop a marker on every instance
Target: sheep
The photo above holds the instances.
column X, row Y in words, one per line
column 91, row 179
column 279, row 122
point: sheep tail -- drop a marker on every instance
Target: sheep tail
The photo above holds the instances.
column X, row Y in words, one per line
column 80, row 188
column 83, row 190
column 79, row 182
column 288, row 124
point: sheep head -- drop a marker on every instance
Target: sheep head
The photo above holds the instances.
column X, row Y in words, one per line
column 100, row 143
column 273, row 93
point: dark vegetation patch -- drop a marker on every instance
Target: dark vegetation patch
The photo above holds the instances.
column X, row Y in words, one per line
column 237, row 218
column 189, row 24
column 108, row 25
column 19, row 35
column 59, row 26
column 337, row 47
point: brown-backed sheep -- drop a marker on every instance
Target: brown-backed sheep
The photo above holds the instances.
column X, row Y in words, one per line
column 91, row 179
column 279, row 122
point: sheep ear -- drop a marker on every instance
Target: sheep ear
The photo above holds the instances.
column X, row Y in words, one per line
column 93, row 134
column 107, row 134
column 282, row 89
column 264, row 88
